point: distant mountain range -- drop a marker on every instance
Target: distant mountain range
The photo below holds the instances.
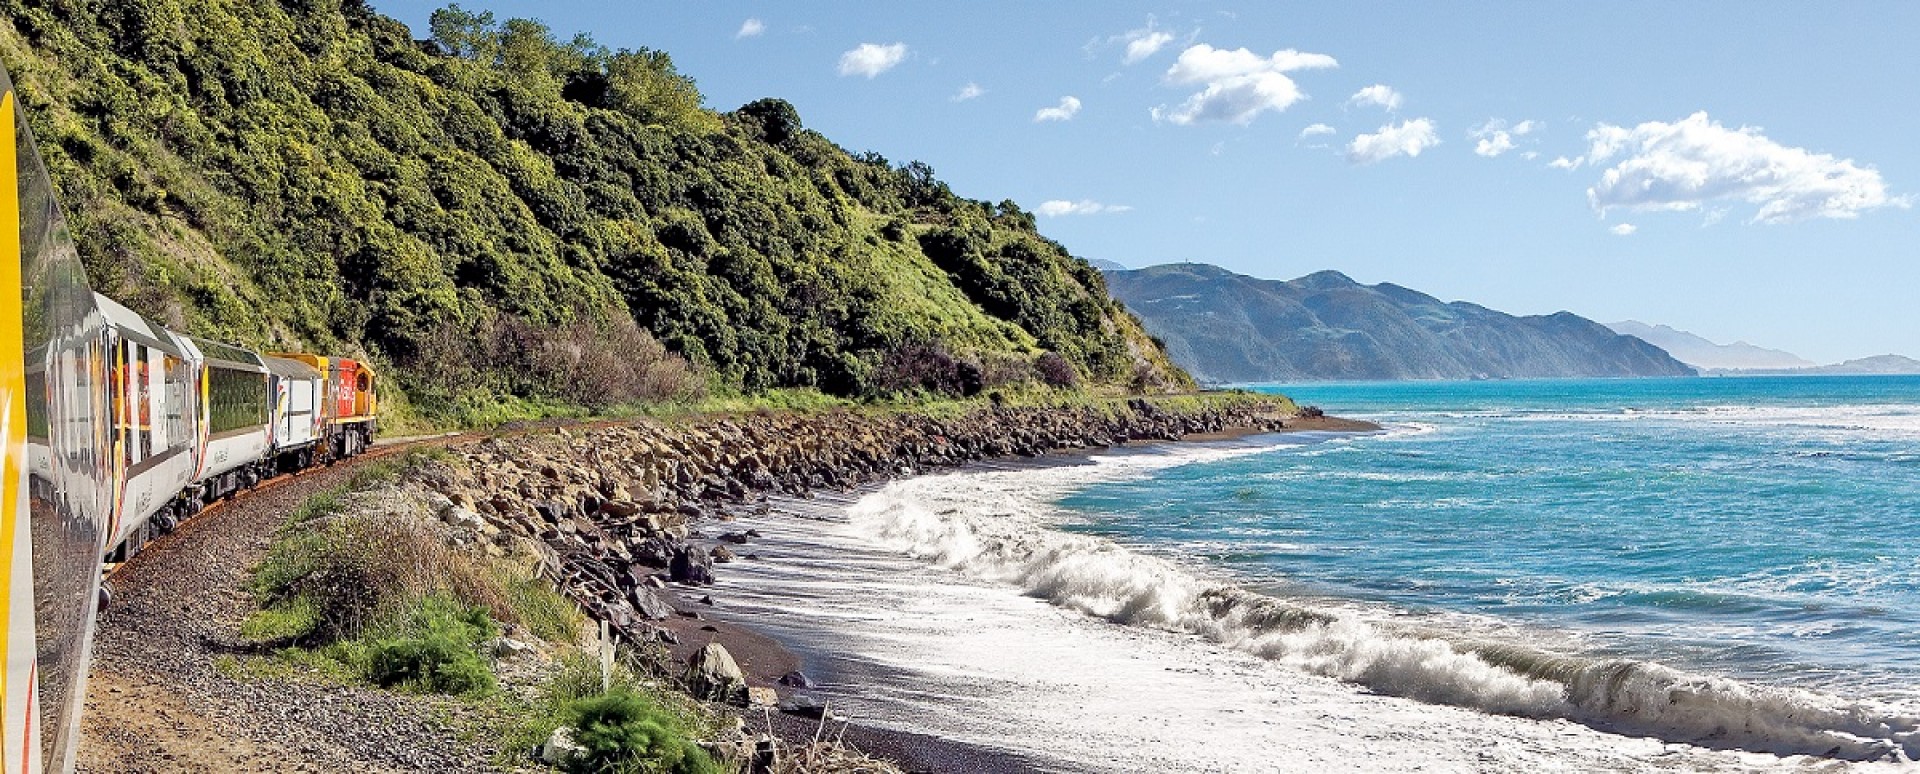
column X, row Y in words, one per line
column 1743, row 359
column 1878, row 365
column 1227, row 327
column 1703, row 354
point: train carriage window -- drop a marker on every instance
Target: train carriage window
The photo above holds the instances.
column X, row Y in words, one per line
column 159, row 396
column 180, row 397
column 129, row 381
column 38, row 426
column 236, row 400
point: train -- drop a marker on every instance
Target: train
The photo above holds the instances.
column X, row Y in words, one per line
column 113, row 430
column 194, row 421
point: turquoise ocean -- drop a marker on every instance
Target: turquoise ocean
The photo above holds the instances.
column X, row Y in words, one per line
column 1760, row 528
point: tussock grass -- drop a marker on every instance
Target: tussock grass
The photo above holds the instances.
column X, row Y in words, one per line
column 384, row 597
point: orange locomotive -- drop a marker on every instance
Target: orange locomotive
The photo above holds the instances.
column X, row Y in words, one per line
column 348, row 406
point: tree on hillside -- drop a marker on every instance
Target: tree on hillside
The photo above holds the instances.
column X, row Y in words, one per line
column 465, row 34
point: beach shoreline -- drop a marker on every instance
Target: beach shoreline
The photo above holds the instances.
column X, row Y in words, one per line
column 765, row 657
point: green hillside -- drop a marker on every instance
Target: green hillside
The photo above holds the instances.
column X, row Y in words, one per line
column 490, row 212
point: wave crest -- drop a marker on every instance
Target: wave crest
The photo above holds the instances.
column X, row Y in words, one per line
column 994, row 539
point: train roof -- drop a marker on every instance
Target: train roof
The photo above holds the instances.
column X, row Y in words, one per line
column 228, row 355
column 134, row 326
column 291, row 369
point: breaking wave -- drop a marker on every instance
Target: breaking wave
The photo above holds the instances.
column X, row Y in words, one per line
column 988, row 531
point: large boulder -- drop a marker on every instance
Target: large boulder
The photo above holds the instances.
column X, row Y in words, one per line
column 712, row 675
column 805, row 705
column 691, row 566
column 648, row 604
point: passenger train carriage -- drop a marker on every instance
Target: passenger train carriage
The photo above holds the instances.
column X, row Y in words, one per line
column 113, row 429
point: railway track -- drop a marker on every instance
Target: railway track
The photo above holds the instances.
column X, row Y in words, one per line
column 167, row 690
column 378, row 451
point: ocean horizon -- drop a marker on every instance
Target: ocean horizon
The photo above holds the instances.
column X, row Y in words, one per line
column 1618, row 574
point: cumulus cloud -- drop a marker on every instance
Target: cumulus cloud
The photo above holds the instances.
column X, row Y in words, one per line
column 1315, row 130
column 1495, row 137
column 1145, row 43
column 970, row 91
column 751, row 28
column 1379, row 95
column 1054, row 208
column 1494, row 144
column 1237, row 85
column 872, row 59
column 1066, row 110
column 1407, row 138
column 1687, row 163
column 1562, row 162
column 1624, row 229
column 1138, row 44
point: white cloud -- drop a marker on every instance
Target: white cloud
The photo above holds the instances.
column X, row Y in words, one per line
column 1139, row 44
column 751, row 28
column 872, row 59
column 1624, row 229
column 1239, row 84
column 1054, row 208
column 1683, row 165
column 1315, row 130
column 1066, row 110
column 1562, row 162
column 970, row 91
column 1147, row 44
column 1494, row 144
column 1407, row 138
column 1495, row 137
column 1378, row 94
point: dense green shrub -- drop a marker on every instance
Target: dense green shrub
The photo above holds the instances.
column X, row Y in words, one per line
column 626, row 731
column 434, row 650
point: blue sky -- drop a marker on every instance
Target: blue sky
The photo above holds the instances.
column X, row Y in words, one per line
column 1739, row 170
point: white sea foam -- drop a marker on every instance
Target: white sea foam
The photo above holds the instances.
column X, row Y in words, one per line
column 998, row 527
column 1900, row 420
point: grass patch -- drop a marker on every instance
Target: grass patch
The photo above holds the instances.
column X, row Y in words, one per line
column 381, row 598
column 296, row 619
column 543, row 611
column 329, row 501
